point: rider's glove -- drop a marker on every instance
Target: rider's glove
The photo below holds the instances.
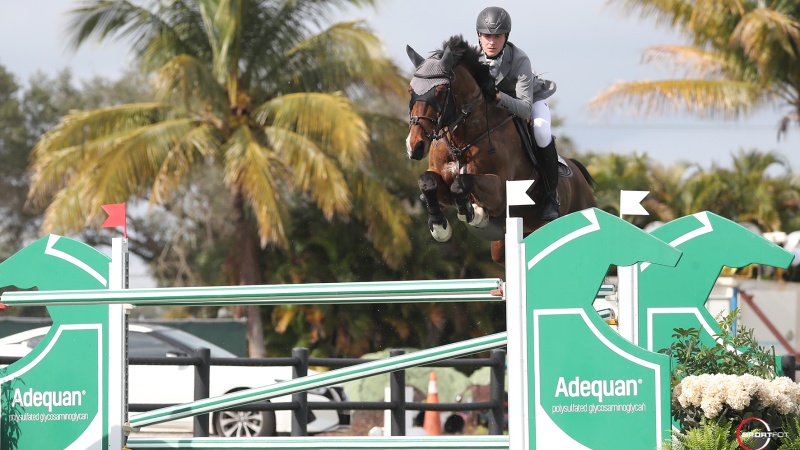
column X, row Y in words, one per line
column 489, row 89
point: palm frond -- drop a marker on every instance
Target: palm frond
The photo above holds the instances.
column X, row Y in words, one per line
column 345, row 54
column 222, row 22
column 67, row 212
column 745, row 45
column 694, row 62
column 385, row 216
column 762, row 28
column 177, row 163
column 669, row 13
column 183, row 33
column 286, row 22
column 710, row 16
column 81, row 126
column 127, row 154
column 312, row 170
column 258, row 173
column 315, row 11
column 126, row 164
column 707, row 98
column 123, row 20
column 65, row 151
column 186, row 81
column 328, row 119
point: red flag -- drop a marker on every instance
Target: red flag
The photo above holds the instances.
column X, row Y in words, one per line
column 116, row 217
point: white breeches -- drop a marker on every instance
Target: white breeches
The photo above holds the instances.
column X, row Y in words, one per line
column 540, row 115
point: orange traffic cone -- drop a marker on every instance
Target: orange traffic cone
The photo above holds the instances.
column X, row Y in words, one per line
column 432, row 424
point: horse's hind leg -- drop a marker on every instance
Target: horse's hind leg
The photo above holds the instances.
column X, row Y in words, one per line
column 498, row 251
column 474, row 215
column 430, row 183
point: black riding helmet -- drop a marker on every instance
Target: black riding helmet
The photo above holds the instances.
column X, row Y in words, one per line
column 493, row 20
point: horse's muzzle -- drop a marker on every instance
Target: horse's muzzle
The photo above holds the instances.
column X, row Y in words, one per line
column 417, row 152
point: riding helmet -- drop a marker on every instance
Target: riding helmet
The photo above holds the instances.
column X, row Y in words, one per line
column 493, row 20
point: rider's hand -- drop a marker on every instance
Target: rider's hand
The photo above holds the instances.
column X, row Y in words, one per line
column 489, row 89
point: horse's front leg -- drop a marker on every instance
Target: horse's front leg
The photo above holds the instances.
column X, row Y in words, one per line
column 431, row 184
column 473, row 214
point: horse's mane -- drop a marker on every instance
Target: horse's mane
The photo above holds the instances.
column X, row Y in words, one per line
column 468, row 56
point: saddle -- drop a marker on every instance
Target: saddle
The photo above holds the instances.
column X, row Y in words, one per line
column 526, row 134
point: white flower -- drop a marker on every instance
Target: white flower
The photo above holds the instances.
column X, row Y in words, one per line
column 737, row 393
column 786, row 395
column 714, row 393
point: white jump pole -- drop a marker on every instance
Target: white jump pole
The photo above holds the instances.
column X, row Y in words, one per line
column 516, row 322
column 628, row 276
column 118, row 349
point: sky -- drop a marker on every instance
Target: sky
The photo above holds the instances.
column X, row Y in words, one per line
column 582, row 45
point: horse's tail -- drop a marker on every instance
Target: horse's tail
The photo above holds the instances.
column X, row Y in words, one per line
column 585, row 172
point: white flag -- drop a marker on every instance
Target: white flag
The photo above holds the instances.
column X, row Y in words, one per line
column 630, row 203
column 516, row 192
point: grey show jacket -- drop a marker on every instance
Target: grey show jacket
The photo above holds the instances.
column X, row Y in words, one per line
column 519, row 85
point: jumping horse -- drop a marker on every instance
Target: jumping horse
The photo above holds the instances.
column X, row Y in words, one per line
column 473, row 148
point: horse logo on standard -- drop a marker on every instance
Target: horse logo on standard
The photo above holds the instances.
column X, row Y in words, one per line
column 582, row 380
column 55, row 397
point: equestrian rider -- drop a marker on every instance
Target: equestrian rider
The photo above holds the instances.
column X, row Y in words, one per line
column 520, row 91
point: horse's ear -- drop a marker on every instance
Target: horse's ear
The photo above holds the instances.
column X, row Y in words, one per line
column 447, row 58
column 415, row 57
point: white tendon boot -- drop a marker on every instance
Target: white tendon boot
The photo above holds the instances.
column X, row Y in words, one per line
column 480, row 218
column 442, row 233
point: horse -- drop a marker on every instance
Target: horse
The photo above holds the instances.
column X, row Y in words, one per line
column 473, row 148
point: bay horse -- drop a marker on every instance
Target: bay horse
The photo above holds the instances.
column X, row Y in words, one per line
column 473, row 148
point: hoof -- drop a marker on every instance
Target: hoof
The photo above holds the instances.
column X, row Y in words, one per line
column 481, row 219
column 469, row 217
column 441, row 233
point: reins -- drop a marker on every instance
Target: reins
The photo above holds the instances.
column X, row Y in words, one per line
column 479, row 138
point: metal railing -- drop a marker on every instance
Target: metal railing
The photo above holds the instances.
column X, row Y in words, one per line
column 299, row 361
column 300, row 406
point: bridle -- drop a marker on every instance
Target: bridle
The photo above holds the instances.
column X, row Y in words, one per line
column 445, row 124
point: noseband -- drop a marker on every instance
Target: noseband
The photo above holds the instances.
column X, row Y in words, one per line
column 446, row 111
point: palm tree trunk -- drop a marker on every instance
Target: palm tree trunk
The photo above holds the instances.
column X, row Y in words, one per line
column 246, row 260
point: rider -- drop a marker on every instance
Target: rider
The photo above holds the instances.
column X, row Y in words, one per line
column 519, row 90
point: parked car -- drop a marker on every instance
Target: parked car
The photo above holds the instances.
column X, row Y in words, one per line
column 175, row 384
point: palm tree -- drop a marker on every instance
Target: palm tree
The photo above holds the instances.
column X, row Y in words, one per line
column 256, row 88
column 741, row 55
column 751, row 191
column 613, row 172
column 673, row 190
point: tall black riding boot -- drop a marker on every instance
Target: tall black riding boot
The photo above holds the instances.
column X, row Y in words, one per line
column 548, row 158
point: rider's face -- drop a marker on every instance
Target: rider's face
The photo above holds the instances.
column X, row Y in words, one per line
column 492, row 43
